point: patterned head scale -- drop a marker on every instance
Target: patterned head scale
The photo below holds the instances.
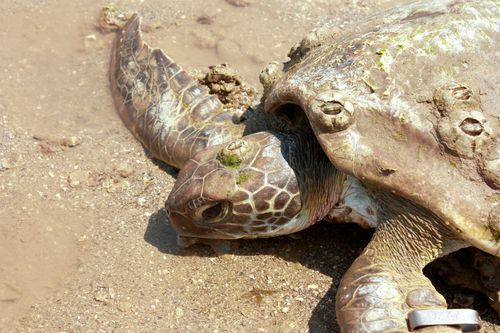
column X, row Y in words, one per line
column 245, row 189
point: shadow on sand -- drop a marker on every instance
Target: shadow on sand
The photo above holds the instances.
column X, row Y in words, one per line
column 326, row 248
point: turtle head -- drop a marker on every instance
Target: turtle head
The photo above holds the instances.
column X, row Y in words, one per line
column 245, row 189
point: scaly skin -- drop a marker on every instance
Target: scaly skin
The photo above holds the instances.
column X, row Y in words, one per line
column 386, row 280
column 168, row 111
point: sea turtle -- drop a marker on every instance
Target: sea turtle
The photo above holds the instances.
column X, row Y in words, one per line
column 406, row 102
column 393, row 102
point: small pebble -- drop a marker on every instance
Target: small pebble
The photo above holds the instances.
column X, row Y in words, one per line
column 101, row 296
column 72, row 141
column 78, row 178
column 89, row 40
column 179, row 313
column 124, row 169
column 111, row 293
column 239, row 3
column 205, row 19
column 91, row 37
column 124, row 306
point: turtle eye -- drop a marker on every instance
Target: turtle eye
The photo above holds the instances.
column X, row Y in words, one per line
column 215, row 213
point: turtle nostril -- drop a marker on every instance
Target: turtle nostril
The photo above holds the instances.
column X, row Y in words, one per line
column 212, row 212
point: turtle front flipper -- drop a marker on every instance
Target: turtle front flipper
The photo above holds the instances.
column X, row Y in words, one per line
column 385, row 283
column 172, row 114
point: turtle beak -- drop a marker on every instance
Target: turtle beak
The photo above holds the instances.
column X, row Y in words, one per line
column 219, row 246
column 190, row 233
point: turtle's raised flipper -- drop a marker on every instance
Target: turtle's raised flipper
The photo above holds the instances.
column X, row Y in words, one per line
column 386, row 282
column 172, row 114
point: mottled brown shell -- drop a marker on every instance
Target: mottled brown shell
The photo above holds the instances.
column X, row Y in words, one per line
column 406, row 102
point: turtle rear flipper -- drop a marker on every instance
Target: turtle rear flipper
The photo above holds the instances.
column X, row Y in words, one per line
column 167, row 110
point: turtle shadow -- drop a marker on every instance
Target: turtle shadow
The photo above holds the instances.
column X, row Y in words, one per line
column 159, row 233
column 160, row 164
column 327, row 248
